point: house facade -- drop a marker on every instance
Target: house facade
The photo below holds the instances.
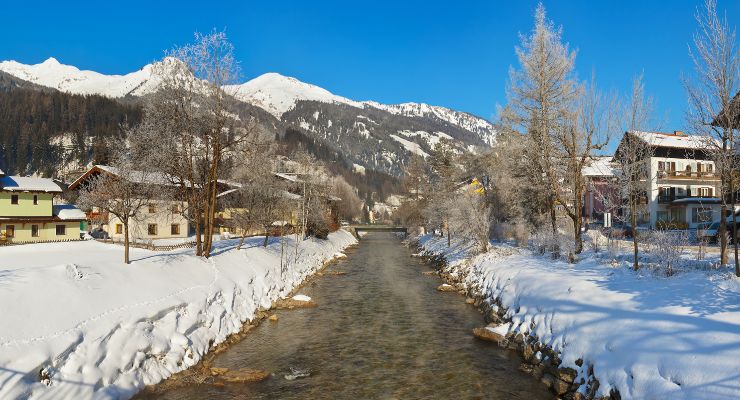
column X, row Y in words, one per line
column 28, row 213
column 600, row 194
column 160, row 219
column 682, row 188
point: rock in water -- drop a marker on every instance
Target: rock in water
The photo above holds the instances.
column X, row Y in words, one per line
column 273, row 317
column 296, row 373
column 489, row 335
column 446, row 288
column 244, row 376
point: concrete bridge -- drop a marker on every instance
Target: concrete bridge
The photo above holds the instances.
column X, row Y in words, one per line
column 355, row 229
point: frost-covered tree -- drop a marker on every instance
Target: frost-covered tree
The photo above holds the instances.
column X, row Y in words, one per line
column 540, row 98
column 715, row 106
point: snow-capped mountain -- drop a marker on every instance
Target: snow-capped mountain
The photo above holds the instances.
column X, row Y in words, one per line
column 367, row 133
column 67, row 78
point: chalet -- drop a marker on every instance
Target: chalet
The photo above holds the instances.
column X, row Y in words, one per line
column 162, row 219
column 682, row 191
column 28, row 213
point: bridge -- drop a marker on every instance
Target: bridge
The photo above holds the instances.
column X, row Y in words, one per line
column 356, row 229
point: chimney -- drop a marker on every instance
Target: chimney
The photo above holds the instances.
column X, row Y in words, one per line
column 678, row 133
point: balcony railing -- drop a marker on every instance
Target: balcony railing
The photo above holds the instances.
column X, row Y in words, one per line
column 665, row 199
column 687, row 174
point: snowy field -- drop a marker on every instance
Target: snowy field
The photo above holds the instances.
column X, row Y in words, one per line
column 645, row 334
column 77, row 323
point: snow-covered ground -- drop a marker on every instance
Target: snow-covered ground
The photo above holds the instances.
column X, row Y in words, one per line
column 97, row 328
column 647, row 335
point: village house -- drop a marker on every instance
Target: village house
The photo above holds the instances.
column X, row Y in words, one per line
column 28, row 213
column 601, row 194
column 162, row 218
column 683, row 186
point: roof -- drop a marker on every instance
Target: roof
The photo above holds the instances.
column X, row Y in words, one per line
column 287, row 176
column 676, row 139
column 599, row 166
column 28, row 184
column 68, row 212
column 153, row 178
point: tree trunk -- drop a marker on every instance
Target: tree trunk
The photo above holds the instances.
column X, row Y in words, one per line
column 267, row 237
column 734, row 226
column 578, row 234
column 125, row 243
column 723, row 234
column 198, row 238
column 633, row 218
column 241, row 242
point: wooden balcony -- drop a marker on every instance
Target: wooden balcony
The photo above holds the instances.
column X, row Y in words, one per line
column 688, row 175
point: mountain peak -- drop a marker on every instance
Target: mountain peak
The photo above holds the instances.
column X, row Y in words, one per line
column 50, row 61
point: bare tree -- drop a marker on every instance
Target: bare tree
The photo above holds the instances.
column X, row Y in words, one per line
column 576, row 143
column 196, row 128
column 713, row 113
column 444, row 179
column 124, row 194
column 633, row 163
column 350, row 205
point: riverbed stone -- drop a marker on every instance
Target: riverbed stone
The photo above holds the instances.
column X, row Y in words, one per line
column 489, row 335
column 469, row 300
column 446, row 288
column 293, row 303
column 560, row 387
column 429, row 273
column 548, row 380
column 567, row 374
column 273, row 317
column 244, row 376
column 218, row 371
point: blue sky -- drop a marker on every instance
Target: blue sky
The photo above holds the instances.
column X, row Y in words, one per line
column 455, row 54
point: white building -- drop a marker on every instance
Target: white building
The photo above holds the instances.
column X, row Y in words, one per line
column 160, row 219
column 683, row 187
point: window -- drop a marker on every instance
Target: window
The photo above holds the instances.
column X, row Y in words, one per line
column 710, row 168
column 175, row 229
column 10, row 231
column 705, row 192
column 61, row 230
column 701, row 214
column 152, row 209
column 34, row 231
column 152, row 229
column 119, row 229
column 662, row 216
column 175, row 209
column 661, row 165
column 35, row 199
column 13, row 199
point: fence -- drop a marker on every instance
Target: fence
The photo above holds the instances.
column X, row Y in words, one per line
column 11, row 242
column 150, row 246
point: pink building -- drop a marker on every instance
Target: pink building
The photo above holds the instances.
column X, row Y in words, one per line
column 600, row 175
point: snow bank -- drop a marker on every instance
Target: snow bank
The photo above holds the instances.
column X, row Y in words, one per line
column 647, row 336
column 78, row 323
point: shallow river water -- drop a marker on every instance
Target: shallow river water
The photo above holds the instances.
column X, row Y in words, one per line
column 380, row 332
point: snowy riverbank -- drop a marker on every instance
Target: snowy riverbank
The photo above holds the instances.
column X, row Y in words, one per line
column 646, row 335
column 77, row 323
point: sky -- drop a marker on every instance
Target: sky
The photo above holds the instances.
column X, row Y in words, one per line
column 455, row 54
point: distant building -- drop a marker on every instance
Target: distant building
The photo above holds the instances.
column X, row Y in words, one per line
column 28, row 213
column 683, row 191
column 601, row 193
column 161, row 219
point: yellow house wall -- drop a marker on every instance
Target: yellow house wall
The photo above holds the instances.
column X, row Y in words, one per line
column 139, row 226
column 25, row 206
column 47, row 231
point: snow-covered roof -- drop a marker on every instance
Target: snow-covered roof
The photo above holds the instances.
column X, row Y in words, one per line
column 677, row 139
column 68, row 212
column 287, row 176
column 28, row 184
column 1, row 172
column 599, row 166
column 151, row 178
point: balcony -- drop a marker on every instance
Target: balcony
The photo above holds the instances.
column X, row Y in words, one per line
column 703, row 175
column 670, row 199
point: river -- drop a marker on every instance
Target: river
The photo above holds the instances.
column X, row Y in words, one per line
column 381, row 331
